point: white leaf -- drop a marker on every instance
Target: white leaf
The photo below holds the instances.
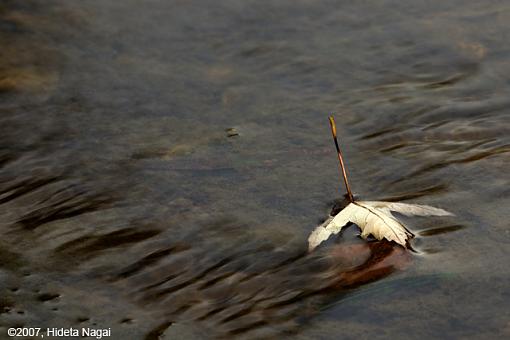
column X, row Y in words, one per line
column 373, row 218
column 409, row 209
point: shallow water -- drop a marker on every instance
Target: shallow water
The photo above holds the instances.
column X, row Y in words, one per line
column 162, row 164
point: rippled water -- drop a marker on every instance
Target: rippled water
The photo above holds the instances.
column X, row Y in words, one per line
column 162, row 164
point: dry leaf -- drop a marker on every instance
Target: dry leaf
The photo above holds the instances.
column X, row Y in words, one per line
column 374, row 218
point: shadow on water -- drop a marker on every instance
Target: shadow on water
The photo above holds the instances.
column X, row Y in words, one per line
column 217, row 274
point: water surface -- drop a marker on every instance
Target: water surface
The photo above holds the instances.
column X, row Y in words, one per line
column 162, row 164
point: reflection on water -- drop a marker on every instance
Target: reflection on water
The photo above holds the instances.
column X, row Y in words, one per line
column 162, row 165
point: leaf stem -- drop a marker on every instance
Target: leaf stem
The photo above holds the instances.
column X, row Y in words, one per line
column 340, row 158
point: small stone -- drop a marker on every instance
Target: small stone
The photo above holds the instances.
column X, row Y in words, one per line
column 231, row 132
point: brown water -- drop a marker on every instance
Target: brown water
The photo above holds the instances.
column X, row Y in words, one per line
column 126, row 203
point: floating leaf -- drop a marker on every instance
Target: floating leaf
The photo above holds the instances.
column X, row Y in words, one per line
column 374, row 218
